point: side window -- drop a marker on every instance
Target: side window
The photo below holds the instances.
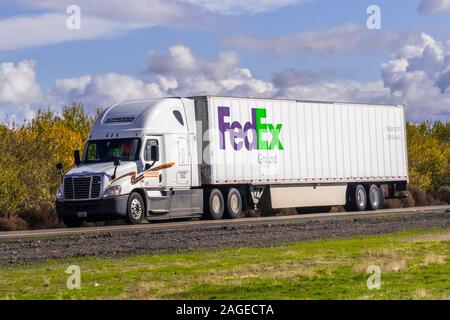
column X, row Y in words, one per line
column 148, row 146
column 91, row 152
column 178, row 116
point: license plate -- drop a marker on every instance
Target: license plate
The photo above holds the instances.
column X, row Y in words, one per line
column 82, row 214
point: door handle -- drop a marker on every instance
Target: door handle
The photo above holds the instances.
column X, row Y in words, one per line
column 160, row 178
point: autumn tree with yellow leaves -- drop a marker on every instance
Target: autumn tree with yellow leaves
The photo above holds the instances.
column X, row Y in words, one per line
column 429, row 155
column 28, row 178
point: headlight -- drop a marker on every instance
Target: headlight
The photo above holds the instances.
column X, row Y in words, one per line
column 59, row 194
column 113, row 191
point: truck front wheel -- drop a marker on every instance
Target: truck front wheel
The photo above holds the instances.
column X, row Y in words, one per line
column 135, row 209
column 72, row 222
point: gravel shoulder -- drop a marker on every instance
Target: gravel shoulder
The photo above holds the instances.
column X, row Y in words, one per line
column 109, row 244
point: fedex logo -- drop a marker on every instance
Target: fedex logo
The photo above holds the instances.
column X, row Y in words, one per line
column 240, row 134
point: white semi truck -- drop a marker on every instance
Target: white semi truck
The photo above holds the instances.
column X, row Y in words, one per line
column 213, row 156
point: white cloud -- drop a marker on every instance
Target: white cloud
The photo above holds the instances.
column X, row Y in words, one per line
column 434, row 6
column 140, row 12
column 234, row 7
column 102, row 90
column 112, row 17
column 180, row 61
column 162, row 9
column 347, row 38
column 45, row 29
column 191, row 75
column 18, row 83
column 71, row 87
column 18, row 89
column 418, row 76
column 326, row 85
column 340, row 90
column 178, row 72
column 98, row 19
column 291, row 77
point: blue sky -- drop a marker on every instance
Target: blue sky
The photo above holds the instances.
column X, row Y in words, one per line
column 122, row 42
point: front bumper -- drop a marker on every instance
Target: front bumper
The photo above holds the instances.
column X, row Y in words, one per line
column 111, row 207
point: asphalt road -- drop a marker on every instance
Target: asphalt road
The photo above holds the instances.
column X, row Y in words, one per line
column 184, row 236
column 46, row 233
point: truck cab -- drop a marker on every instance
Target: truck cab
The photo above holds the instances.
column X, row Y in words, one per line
column 139, row 162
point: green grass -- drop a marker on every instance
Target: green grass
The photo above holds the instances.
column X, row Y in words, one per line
column 415, row 265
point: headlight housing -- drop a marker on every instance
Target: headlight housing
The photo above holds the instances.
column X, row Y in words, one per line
column 59, row 194
column 112, row 191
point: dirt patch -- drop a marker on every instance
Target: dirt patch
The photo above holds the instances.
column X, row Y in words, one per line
column 431, row 237
column 421, row 293
column 432, row 258
column 12, row 224
column 109, row 244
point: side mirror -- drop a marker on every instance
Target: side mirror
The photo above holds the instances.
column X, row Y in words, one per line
column 116, row 164
column 76, row 157
column 147, row 166
column 60, row 167
column 154, row 153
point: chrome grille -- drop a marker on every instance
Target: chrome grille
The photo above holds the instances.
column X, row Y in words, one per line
column 83, row 187
column 95, row 187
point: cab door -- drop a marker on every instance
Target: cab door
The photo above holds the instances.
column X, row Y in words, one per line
column 153, row 157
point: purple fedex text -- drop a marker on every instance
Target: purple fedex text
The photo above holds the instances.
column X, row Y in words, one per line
column 251, row 133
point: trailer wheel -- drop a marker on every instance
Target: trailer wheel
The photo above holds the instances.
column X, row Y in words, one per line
column 356, row 199
column 382, row 197
column 135, row 209
column 72, row 222
column 216, row 205
column 374, row 197
column 234, row 204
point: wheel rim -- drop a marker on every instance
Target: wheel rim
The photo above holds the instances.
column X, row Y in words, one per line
column 136, row 209
column 216, row 203
column 234, row 203
column 374, row 196
column 360, row 197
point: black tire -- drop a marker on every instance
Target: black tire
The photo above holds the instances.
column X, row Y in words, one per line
column 234, row 204
column 382, row 198
column 214, row 205
column 135, row 209
column 72, row 222
column 356, row 198
column 374, row 197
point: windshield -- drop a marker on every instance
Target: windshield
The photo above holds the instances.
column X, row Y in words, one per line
column 112, row 149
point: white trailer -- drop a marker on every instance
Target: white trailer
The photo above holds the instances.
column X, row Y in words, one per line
column 219, row 156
